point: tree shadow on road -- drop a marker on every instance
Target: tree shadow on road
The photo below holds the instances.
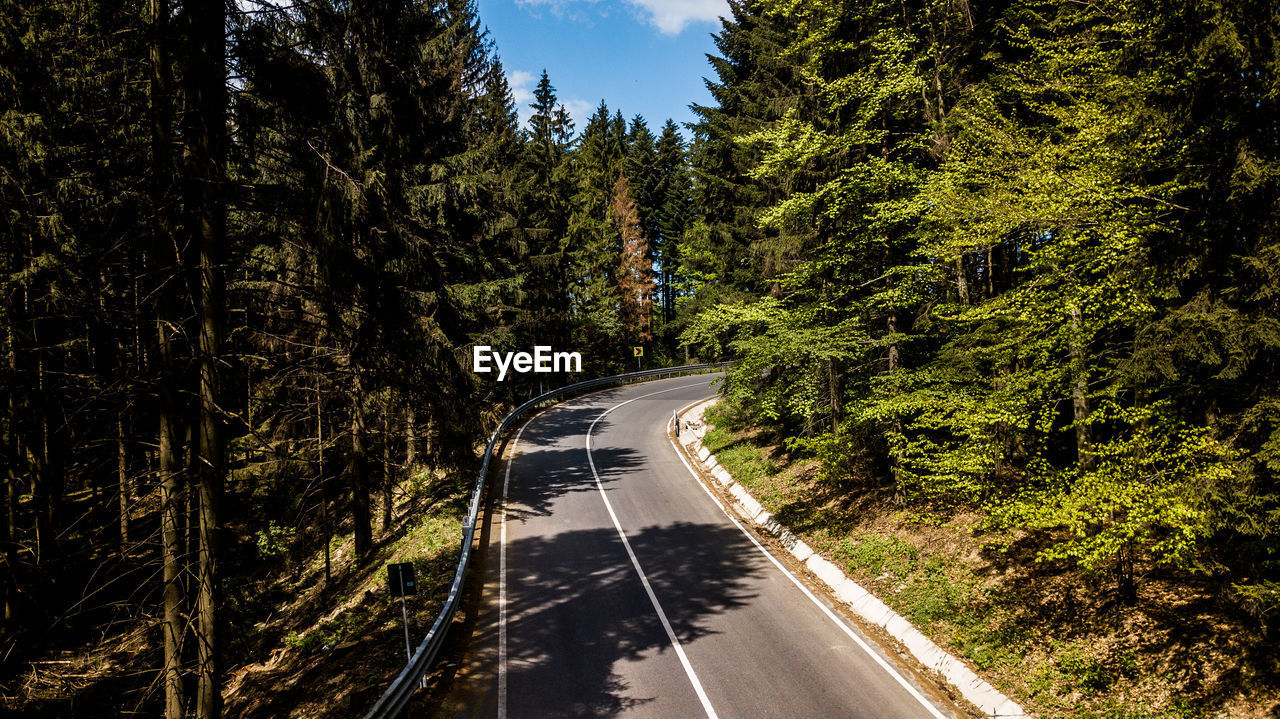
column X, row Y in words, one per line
column 551, row 462
column 578, row 610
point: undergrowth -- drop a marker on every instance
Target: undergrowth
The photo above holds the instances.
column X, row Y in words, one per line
column 1057, row 664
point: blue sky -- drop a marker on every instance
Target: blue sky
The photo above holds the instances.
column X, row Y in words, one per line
column 643, row 57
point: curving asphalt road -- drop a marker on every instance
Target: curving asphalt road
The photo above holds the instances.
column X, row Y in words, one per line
column 617, row 586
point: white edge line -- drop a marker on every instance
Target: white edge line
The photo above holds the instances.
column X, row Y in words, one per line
column 502, row 556
column 653, row 599
column 794, row 580
column 502, row 579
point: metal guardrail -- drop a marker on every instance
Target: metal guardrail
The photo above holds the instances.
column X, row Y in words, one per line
column 396, row 698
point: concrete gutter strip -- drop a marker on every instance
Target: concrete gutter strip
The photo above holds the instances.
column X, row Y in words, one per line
column 867, row 606
column 749, row 504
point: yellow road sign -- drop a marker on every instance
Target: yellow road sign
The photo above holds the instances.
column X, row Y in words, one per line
column 637, row 351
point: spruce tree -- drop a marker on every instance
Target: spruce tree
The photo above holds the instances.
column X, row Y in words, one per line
column 635, row 267
column 675, row 213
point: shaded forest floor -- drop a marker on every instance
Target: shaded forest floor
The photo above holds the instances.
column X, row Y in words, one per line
column 293, row 646
column 85, row 644
column 330, row 652
column 1051, row 638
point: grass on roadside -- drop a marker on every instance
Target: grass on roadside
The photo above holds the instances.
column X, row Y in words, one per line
column 935, row 573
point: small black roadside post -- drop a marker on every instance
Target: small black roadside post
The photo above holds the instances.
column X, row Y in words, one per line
column 400, row 577
column 675, row 417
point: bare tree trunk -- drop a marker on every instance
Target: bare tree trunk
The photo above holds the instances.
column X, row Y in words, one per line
column 895, row 361
column 166, row 268
column 991, row 271
column 7, row 583
column 320, row 480
column 1079, row 393
column 38, row 451
column 172, row 488
column 51, row 465
column 358, row 476
column 410, row 439
column 122, row 477
column 388, row 473
column 891, row 325
column 22, row 424
column 962, row 281
column 13, row 451
column 7, row 498
column 430, row 450
column 206, row 209
column 833, row 376
column 1126, row 574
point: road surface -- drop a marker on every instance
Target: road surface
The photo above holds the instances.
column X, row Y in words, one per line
column 614, row 585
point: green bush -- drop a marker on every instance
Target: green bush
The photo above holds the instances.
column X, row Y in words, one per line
column 273, row 541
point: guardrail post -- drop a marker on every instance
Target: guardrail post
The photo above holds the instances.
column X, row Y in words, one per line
column 408, row 646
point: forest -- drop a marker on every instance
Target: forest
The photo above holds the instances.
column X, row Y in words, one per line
column 1017, row 258
column 245, row 253
column 1020, row 257
column 1017, row 262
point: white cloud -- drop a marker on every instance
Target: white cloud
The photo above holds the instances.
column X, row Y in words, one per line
column 673, row 16
column 559, row 8
column 580, row 111
column 521, row 83
column 670, row 17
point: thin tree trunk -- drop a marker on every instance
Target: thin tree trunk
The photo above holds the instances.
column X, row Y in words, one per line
column 429, row 437
column 38, row 450
column 206, row 205
column 891, row 325
column 1079, row 393
column 8, row 585
column 388, row 474
column 833, row 374
column 991, row 271
column 172, row 488
column 53, row 432
column 324, row 489
column 22, row 424
column 895, row 362
column 962, row 281
column 671, row 297
column 166, row 266
column 834, row 377
column 7, row 498
column 122, row 477
column 13, row 447
column 191, row 513
column 410, row 439
column 1126, row 576
column 358, row 476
